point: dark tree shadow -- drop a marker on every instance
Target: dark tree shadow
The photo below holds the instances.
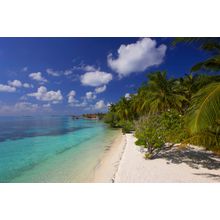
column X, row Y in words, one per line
column 190, row 156
column 209, row 175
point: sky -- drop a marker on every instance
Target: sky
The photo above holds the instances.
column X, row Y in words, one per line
column 81, row 75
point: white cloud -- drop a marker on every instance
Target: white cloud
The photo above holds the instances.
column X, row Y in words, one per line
column 15, row 83
column 27, row 85
column 43, row 95
column 26, row 106
column 100, row 89
column 48, row 105
column 96, row 78
column 80, row 105
column 6, row 88
column 90, row 95
column 53, row 72
column 58, row 72
column 127, row 96
column 87, row 68
column 67, row 72
column 71, row 98
column 109, row 104
column 137, row 57
column 22, row 108
column 38, row 77
column 100, row 105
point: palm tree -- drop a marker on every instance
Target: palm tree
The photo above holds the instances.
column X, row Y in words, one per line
column 162, row 95
column 140, row 102
column 208, row 44
column 203, row 117
column 123, row 109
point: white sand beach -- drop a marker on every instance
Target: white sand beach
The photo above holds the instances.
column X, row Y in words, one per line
column 124, row 163
column 108, row 166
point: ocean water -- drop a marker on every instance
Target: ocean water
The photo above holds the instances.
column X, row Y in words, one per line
column 51, row 148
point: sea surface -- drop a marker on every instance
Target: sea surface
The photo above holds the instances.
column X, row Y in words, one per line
column 51, row 148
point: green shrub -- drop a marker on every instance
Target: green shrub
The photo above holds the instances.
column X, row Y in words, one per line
column 150, row 134
column 154, row 131
column 112, row 119
column 173, row 124
column 140, row 142
column 127, row 126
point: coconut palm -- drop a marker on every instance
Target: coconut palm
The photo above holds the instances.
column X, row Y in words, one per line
column 123, row 109
column 204, row 114
column 211, row 45
column 203, row 117
column 162, row 95
column 140, row 102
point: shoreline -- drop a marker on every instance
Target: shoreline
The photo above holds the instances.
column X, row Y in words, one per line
column 107, row 167
column 123, row 162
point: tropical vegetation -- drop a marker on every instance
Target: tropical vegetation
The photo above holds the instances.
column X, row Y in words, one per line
column 177, row 110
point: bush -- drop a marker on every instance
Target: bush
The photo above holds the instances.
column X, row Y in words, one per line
column 173, row 124
column 150, row 134
column 112, row 119
column 127, row 126
column 154, row 131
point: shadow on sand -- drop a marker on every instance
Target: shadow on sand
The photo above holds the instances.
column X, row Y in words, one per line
column 192, row 157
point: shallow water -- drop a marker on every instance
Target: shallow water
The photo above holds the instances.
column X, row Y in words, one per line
column 51, row 149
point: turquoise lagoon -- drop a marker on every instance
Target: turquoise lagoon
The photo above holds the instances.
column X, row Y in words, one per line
column 52, row 148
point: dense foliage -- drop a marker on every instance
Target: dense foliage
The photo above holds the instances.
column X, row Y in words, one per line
column 182, row 110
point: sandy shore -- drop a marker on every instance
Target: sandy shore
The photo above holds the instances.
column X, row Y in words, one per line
column 124, row 163
column 108, row 166
column 172, row 165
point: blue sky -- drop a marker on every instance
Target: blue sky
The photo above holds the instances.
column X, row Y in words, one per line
column 79, row 75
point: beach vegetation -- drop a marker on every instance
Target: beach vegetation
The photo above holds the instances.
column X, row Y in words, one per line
column 175, row 110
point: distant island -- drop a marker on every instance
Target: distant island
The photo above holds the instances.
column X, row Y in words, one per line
column 93, row 116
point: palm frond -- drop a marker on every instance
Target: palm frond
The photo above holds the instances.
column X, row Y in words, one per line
column 205, row 109
column 206, row 139
column 210, row 64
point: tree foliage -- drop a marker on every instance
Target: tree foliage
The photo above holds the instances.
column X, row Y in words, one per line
column 185, row 109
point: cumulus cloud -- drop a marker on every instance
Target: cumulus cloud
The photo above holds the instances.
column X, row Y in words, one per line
column 100, row 105
column 43, row 95
column 100, row 89
column 6, row 88
column 84, row 67
column 80, row 104
column 96, row 78
column 27, row 85
column 71, row 98
column 26, row 106
column 127, row 96
column 90, row 95
column 58, row 72
column 17, row 83
column 67, row 72
column 53, row 72
column 137, row 57
column 89, row 68
column 22, row 108
column 38, row 77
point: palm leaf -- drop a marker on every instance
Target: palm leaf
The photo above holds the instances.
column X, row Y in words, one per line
column 210, row 64
column 204, row 112
column 206, row 139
